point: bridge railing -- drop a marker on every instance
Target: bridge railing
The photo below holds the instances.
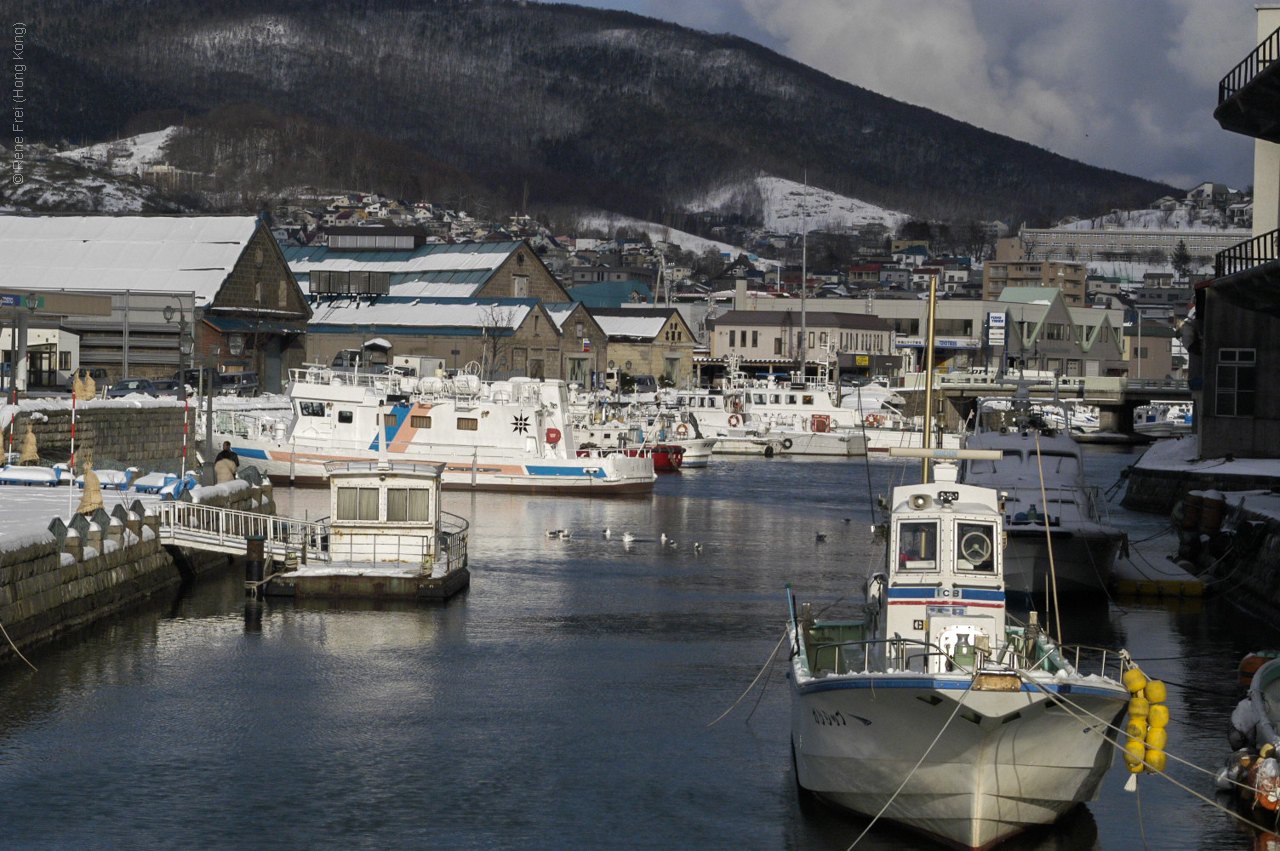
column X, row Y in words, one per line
column 228, row 527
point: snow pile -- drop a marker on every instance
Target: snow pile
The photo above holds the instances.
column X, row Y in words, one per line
column 30, row 406
column 1181, row 454
column 224, row 489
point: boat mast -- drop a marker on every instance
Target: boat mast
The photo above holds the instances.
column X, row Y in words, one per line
column 804, row 273
column 928, row 378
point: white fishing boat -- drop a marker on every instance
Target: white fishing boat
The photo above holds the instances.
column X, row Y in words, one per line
column 505, row 435
column 1164, row 419
column 625, row 428
column 935, row 709
column 798, row 415
column 1053, row 518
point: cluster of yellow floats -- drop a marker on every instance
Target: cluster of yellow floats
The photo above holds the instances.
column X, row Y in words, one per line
column 1148, row 727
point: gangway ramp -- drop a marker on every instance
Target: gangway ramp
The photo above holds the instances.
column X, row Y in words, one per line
column 212, row 528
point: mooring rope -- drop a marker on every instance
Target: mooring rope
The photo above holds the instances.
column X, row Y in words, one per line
column 15, row 648
column 768, row 664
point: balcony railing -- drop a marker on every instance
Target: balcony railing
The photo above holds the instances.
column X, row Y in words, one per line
column 1251, row 66
column 1256, row 252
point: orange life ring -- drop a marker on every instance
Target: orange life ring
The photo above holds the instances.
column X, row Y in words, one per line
column 872, row 420
column 553, row 436
column 735, row 420
column 820, row 423
column 682, row 430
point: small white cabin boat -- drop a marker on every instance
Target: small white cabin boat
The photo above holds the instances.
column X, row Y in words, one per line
column 1164, row 419
column 387, row 537
column 932, row 706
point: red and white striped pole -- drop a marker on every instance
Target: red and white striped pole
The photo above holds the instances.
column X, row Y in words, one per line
column 185, row 408
column 71, row 483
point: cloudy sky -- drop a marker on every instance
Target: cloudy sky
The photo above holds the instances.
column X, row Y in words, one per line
column 1124, row 84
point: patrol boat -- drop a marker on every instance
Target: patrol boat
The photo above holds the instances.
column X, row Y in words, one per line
column 502, row 435
column 935, row 709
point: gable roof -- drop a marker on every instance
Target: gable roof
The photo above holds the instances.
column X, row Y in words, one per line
column 1030, row 295
column 435, row 314
column 607, row 294
column 462, row 268
column 139, row 253
column 634, row 323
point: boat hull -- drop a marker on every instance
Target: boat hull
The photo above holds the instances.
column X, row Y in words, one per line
column 840, row 444
column 1008, row 760
column 884, row 439
column 1083, row 557
column 591, row 476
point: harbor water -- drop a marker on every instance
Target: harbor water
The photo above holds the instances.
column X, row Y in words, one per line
column 565, row 701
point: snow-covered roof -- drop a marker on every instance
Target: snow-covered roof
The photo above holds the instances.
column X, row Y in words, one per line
column 560, row 311
column 425, row 313
column 643, row 327
column 138, row 253
column 439, row 257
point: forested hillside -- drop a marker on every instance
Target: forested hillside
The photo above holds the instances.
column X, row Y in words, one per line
column 529, row 103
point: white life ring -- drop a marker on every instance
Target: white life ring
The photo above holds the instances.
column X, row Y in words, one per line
column 872, row 420
column 682, row 430
column 735, row 420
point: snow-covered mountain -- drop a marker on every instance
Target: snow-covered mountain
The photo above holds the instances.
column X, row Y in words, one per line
column 59, row 187
column 789, row 207
column 609, row 223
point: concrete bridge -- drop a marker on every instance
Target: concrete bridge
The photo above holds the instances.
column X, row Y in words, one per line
column 1115, row 396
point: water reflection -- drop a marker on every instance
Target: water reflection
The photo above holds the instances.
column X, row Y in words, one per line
column 562, row 702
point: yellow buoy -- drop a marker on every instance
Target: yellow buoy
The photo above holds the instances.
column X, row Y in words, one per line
column 1136, row 729
column 1134, row 680
column 1157, row 715
column 1155, row 760
column 1157, row 738
column 1134, row 751
column 1267, row 751
column 1138, row 707
column 1155, row 691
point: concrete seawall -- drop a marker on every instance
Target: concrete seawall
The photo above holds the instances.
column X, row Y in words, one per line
column 56, row 581
column 1158, row 491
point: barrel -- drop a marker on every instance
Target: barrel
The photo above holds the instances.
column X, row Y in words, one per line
column 1192, row 504
column 1211, row 512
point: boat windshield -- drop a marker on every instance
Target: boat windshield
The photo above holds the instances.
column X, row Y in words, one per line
column 976, row 549
column 918, row 545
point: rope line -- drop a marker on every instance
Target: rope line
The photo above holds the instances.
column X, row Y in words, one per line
column 768, row 664
column 1068, row 704
column 15, row 648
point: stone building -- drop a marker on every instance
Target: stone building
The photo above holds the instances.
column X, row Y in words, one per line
column 648, row 341
column 199, row 283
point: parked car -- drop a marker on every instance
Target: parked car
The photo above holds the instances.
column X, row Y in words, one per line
column 240, row 384
column 129, row 386
column 166, row 387
column 98, row 374
column 191, row 377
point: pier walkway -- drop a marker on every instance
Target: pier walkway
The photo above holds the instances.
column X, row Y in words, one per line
column 226, row 530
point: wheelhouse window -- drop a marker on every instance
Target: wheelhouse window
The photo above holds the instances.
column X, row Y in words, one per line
column 407, row 505
column 468, row 424
column 345, row 417
column 975, row 547
column 390, row 420
column 1237, row 382
column 357, row 504
column 311, row 409
column 420, row 421
column 918, row 545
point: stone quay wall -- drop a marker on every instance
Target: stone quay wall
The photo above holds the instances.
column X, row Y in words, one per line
column 1158, row 491
column 54, row 582
column 116, row 434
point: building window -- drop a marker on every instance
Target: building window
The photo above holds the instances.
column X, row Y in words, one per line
column 419, row 421
column 733, row 339
column 64, row 360
column 468, row 424
column 755, row 339
column 1237, row 382
column 777, row 345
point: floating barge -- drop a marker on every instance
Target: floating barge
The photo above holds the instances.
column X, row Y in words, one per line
column 386, row 539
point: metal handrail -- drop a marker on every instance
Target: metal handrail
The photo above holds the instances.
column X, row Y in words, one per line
column 229, row 527
column 1267, row 51
column 1248, row 254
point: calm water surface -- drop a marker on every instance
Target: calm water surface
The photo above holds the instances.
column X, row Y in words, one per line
column 564, row 701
